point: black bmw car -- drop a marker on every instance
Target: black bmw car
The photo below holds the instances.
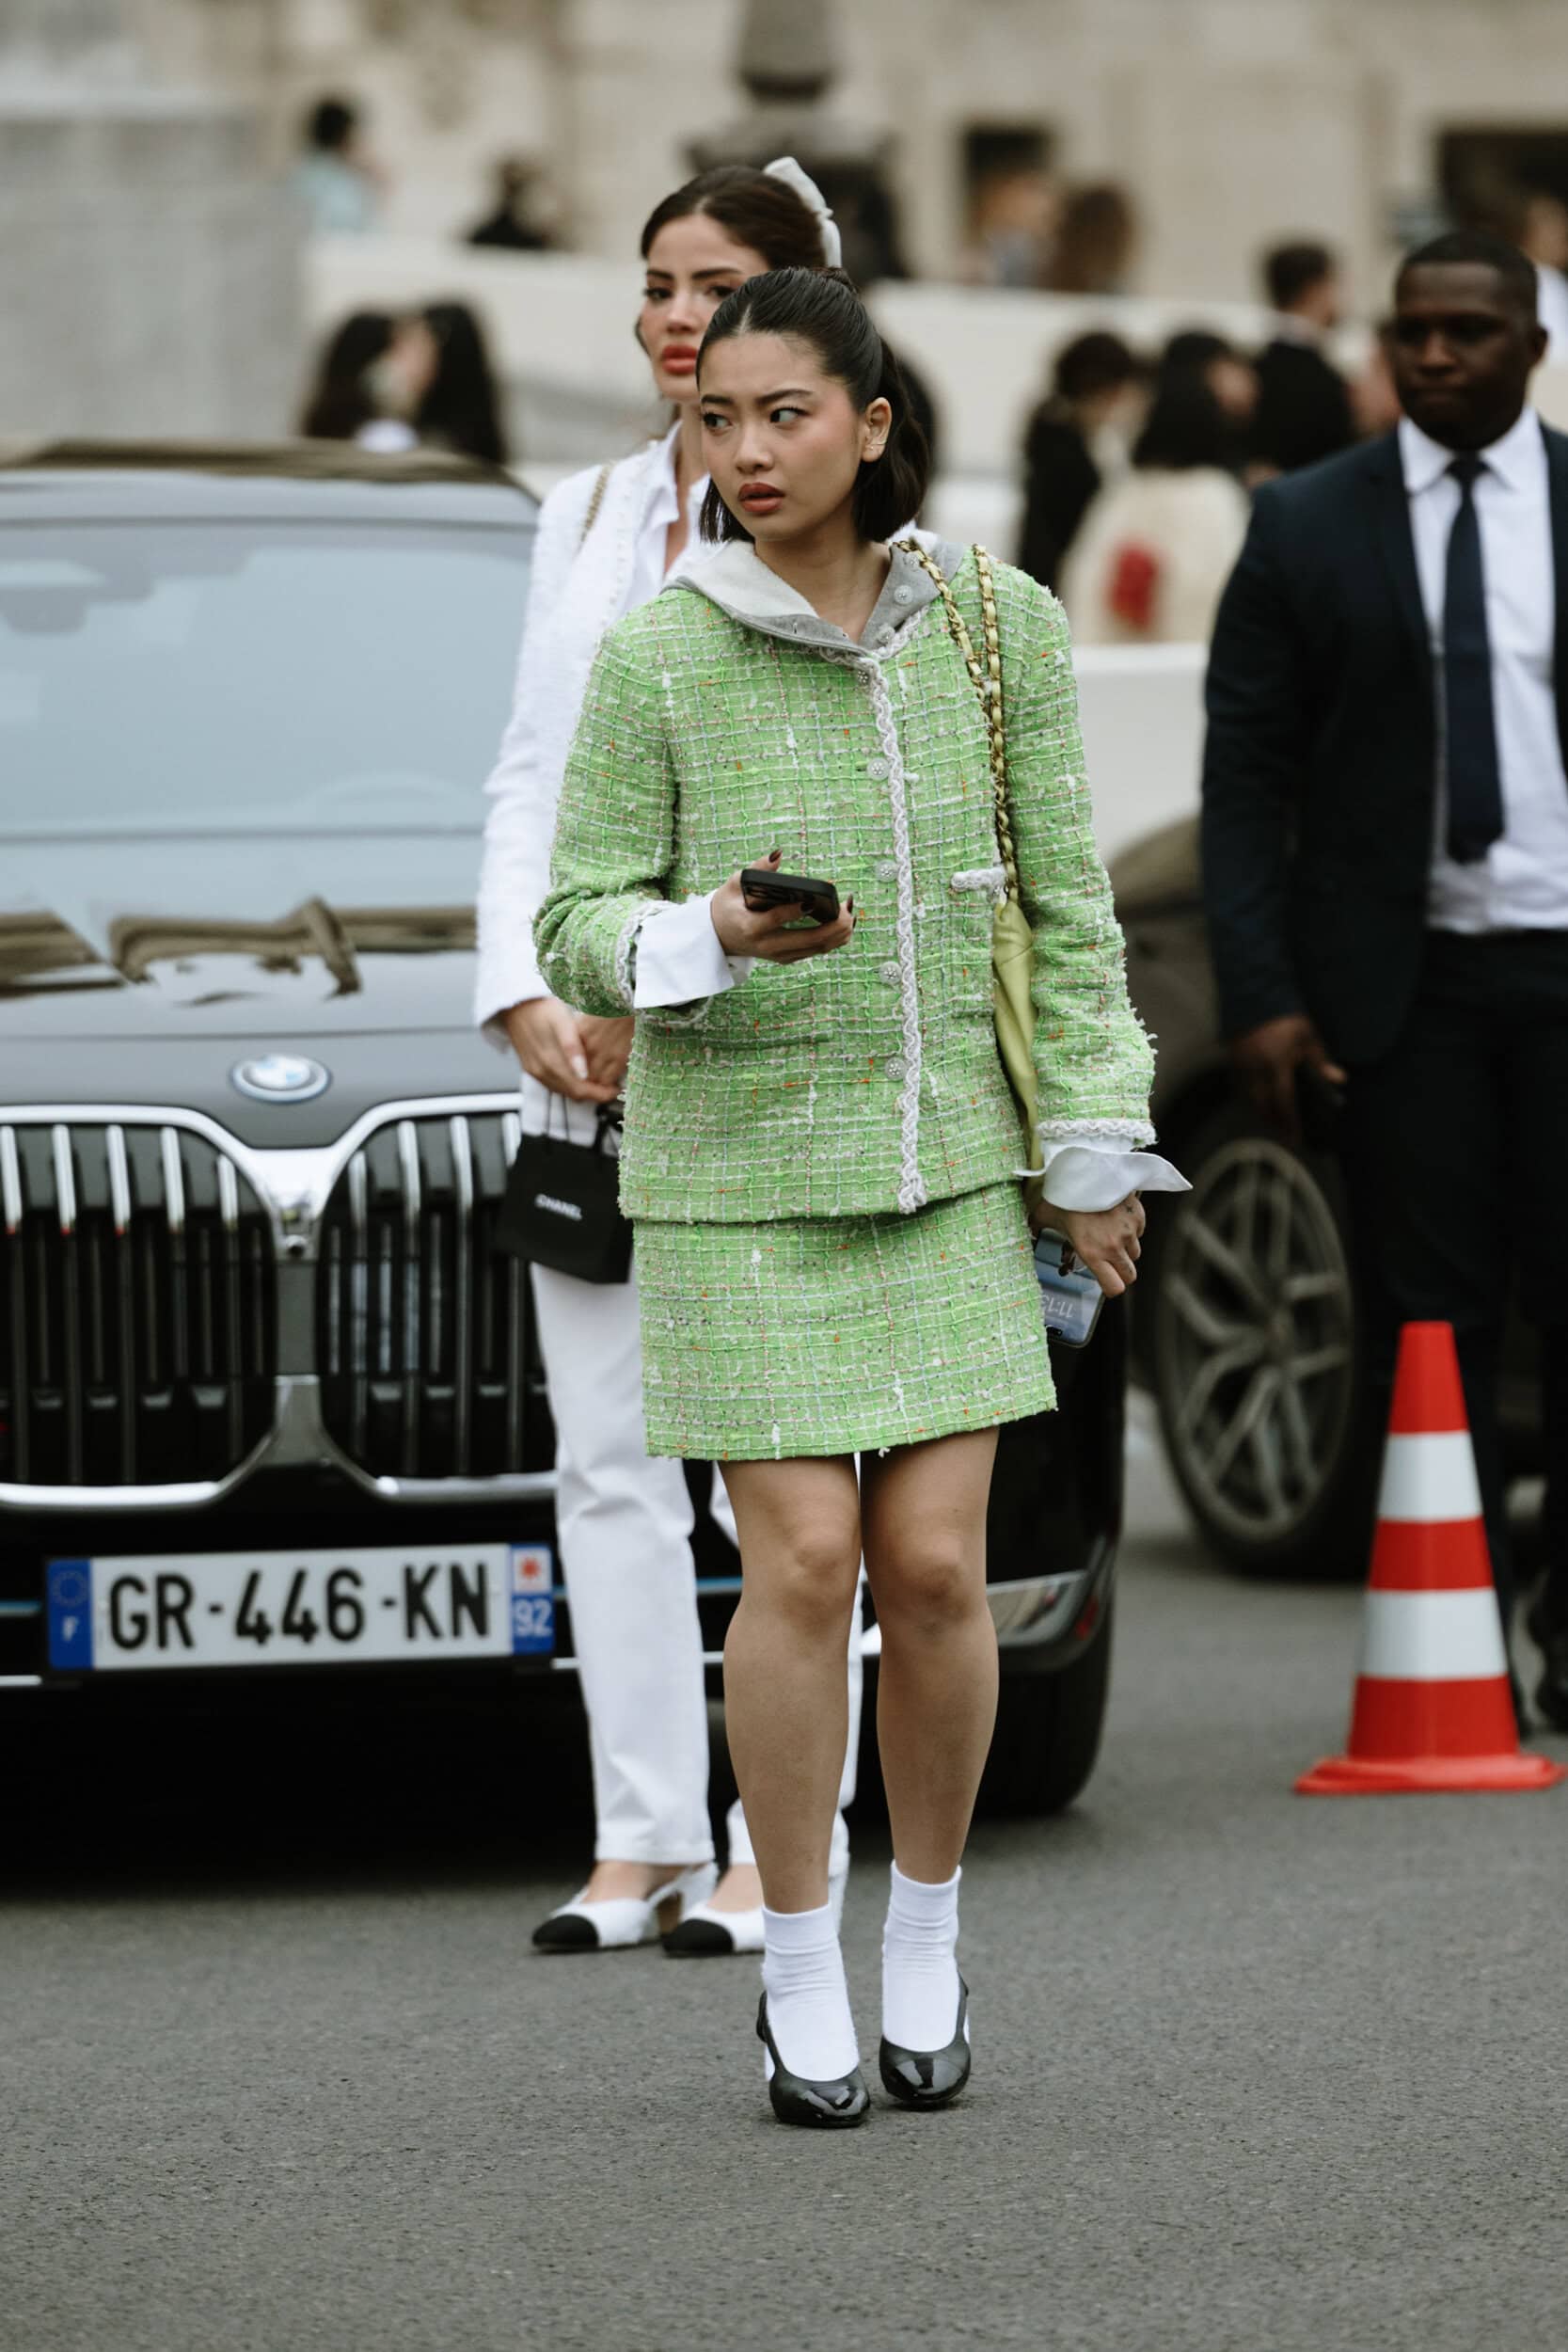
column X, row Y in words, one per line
column 269, row 1398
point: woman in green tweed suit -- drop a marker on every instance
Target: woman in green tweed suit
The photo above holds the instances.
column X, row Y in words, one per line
column 821, row 1152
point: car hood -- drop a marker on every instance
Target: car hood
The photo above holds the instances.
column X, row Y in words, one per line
column 144, row 969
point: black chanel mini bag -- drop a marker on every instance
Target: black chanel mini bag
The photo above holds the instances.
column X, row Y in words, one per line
column 563, row 1206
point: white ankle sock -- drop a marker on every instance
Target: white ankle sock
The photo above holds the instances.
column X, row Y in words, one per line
column 808, row 2001
column 920, row 1974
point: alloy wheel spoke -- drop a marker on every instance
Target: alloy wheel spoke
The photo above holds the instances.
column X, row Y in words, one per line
column 1204, row 1320
column 1262, row 1446
column 1298, row 1288
column 1282, row 1216
column 1317, row 1360
column 1225, row 1260
column 1244, row 1223
column 1249, row 1412
column 1239, row 1356
column 1296, row 1433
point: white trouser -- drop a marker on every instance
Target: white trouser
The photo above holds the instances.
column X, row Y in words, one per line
column 624, row 1524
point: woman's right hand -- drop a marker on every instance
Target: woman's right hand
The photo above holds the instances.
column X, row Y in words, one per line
column 582, row 1058
column 778, row 933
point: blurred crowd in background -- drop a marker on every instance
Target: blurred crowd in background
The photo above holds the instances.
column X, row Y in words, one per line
column 1137, row 463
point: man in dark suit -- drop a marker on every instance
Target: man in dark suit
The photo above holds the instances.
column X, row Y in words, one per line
column 1304, row 411
column 1386, row 844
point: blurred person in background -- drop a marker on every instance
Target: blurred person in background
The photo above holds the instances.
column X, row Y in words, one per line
column 1386, row 849
column 1016, row 212
column 1155, row 549
column 513, row 225
column 1076, row 436
column 607, row 539
column 335, row 180
column 460, row 408
column 1374, row 397
column 1096, row 239
column 374, row 372
column 1304, row 405
column 1544, row 235
column 1197, row 355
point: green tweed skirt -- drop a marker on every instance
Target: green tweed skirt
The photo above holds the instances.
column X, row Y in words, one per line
column 839, row 1335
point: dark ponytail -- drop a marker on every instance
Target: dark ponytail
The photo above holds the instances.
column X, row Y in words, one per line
column 822, row 308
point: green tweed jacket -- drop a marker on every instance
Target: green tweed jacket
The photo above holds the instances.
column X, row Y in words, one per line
column 725, row 718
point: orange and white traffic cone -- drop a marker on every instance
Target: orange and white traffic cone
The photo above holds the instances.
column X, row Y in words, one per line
column 1432, row 1707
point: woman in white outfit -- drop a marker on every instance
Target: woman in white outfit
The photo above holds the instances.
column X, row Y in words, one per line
column 607, row 539
column 1157, row 546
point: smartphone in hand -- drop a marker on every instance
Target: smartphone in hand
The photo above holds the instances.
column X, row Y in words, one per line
column 1069, row 1294
column 762, row 888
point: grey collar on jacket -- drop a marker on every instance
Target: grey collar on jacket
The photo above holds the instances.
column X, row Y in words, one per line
column 736, row 579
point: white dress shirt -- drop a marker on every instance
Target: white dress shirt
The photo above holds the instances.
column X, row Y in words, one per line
column 1522, row 881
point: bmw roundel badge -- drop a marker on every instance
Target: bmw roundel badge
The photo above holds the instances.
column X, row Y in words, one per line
column 280, row 1078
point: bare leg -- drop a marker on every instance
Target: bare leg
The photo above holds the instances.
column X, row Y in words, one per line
column 739, row 1889
column 785, row 1702
column 924, row 1510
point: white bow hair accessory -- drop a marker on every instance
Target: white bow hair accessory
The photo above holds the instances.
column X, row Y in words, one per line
column 811, row 195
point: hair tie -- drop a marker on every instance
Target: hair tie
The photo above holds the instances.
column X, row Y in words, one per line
column 811, row 195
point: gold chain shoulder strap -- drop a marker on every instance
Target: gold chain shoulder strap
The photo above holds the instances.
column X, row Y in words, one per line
column 986, row 681
column 600, row 487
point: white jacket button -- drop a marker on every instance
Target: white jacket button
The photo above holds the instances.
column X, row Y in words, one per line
column 877, row 769
column 888, row 972
column 887, row 870
column 894, row 1066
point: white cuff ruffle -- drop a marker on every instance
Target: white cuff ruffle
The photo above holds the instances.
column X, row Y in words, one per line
column 678, row 957
column 1095, row 1171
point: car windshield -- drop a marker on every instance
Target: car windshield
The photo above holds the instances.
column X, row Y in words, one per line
column 253, row 677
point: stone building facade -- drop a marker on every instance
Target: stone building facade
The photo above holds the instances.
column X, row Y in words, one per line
column 150, row 275
column 1228, row 121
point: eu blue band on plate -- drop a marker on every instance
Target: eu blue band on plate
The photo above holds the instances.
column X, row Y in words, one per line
column 69, row 1596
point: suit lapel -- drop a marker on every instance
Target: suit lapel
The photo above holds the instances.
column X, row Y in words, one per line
column 1391, row 525
column 1557, row 478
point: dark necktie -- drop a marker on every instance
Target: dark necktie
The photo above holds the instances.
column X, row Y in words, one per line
column 1475, row 793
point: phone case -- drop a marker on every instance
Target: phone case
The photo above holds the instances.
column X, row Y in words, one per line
column 761, row 887
column 1070, row 1295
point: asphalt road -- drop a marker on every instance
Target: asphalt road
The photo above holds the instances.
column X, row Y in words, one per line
column 277, row 2071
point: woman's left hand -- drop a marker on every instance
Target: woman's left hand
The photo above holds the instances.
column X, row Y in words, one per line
column 1106, row 1240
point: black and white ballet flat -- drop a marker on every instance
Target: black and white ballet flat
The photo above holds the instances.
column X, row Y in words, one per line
column 929, row 2078
column 704, row 1934
column 823, row 2107
column 626, row 1921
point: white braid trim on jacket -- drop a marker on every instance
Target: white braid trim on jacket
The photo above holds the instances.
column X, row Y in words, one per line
column 870, row 662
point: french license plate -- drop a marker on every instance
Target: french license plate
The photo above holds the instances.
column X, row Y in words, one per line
column 302, row 1608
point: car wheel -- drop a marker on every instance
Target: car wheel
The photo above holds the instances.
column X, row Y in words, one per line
column 1255, row 1361
column 1048, row 1728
